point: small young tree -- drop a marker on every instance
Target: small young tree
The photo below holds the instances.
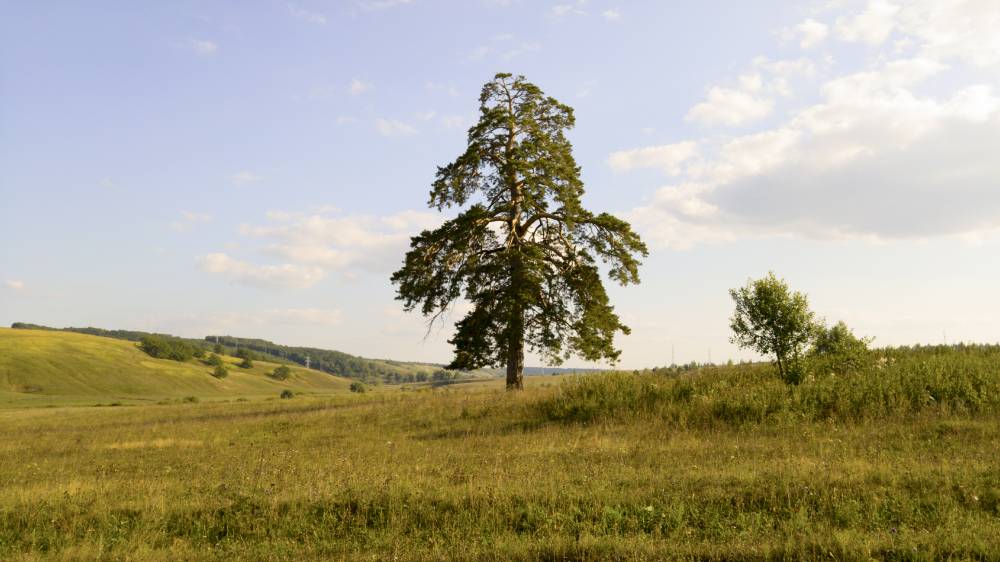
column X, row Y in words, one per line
column 247, row 356
column 220, row 372
column 281, row 372
column 358, row 387
column 772, row 320
column 214, row 360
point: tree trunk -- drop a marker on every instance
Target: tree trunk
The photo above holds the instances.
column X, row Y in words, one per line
column 515, row 335
column 515, row 356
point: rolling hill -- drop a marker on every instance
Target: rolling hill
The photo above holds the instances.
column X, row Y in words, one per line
column 40, row 367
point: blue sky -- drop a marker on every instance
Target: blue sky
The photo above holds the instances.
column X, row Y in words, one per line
column 256, row 168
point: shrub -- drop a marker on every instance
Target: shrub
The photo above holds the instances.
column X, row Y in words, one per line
column 214, row 360
column 282, row 372
column 247, row 356
column 220, row 372
column 837, row 350
column 287, row 394
column 163, row 347
column 358, row 387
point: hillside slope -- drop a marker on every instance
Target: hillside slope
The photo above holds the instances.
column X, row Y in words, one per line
column 38, row 367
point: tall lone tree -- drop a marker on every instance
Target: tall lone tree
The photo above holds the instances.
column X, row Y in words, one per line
column 524, row 251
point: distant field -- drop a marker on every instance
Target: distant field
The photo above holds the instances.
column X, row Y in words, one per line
column 57, row 368
column 722, row 464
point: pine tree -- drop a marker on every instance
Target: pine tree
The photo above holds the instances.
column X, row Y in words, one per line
column 524, row 252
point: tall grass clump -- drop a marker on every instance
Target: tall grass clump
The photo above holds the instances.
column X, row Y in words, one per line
column 962, row 380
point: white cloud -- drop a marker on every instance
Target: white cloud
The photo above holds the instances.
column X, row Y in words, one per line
column 874, row 158
column 264, row 276
column 563, row 10
column 873, row 26
column 346, row 120
column 726, row 106
column 668, row 157
column 358, row 87
column 809, row 33
column 306, row 15
column 188, row 220
column 425, row 115
column 200, row 46
column 611, row 14
column 346, row 243
column 383, row 4
column 901, row 147
column 393, row 128
column 244, row 178
column 14, row 284
column 505, row 47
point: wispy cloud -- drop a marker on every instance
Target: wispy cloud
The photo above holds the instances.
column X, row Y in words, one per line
column 505, row 47
column 14, row 284
column 383, row 4
column 188, row 220
column 611, row 14
column 283, row 276
column 394, row 128
column 202, row 47
column 358, row 87
column 244, row 178
column 306, row 15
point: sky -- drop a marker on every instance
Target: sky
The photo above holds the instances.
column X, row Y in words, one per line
column 257, row 168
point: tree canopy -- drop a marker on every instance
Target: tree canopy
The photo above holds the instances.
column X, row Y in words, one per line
column 773, row 320
column 524, row 252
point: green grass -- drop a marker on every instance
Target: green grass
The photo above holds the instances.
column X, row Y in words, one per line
column 718, row 465
column 57, row 368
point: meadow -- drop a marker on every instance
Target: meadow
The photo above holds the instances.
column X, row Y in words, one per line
column 898, row 461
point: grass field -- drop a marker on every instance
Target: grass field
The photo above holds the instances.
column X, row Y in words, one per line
column 721, row 464
column 59, row 368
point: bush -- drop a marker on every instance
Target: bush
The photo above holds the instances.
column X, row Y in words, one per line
column 837, row 350
column 247, row 356
column 287, row 394
column 282, row 372
column 214, row 360
column 220, row 372
column 358, row 387
column 163, row 347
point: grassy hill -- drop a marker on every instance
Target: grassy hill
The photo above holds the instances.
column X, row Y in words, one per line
column 329, row 361
column 48, row 367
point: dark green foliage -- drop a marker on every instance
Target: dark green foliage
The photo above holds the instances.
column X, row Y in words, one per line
column 328, row 361
column 220, row 372
column 218, row 349
column 214, row 360
column 838, row 350
column 524, row 252
column 772, row 320
column 358, row 387
column 287, row 394
column 163, row 347
column 247, row 356
column 281, row 372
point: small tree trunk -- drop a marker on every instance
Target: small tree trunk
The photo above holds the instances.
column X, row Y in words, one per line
column 515, row 350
